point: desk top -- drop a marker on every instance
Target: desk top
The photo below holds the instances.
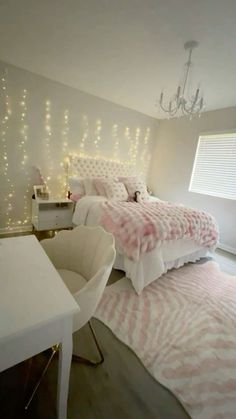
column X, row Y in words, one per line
column 31, row 290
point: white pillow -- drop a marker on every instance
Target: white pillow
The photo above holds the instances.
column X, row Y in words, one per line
column 115, row 190
column 76, row 186
column 134, row 184
column 89, row 186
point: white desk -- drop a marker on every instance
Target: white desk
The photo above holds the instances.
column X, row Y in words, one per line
column 36, row 309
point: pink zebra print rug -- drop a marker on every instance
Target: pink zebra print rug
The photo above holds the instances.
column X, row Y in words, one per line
column 183, row 329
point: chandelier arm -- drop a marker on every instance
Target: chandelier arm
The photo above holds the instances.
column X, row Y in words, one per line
column 163, row 108
column 194, row 108
column 173, row 113
column 167, row 109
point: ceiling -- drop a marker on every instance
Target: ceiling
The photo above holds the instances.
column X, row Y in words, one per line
column 125, row 51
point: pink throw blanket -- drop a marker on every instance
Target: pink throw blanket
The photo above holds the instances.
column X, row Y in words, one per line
column 139, row 227
column 182, row 328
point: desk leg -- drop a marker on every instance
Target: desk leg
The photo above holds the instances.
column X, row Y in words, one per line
column 65, row 354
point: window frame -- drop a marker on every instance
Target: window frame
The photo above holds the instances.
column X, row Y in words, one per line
column 208, row 134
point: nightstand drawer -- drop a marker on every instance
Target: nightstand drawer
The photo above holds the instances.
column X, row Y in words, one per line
column 52, row 215
column 53, row 224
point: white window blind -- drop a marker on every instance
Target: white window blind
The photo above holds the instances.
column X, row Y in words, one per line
column 214, row 169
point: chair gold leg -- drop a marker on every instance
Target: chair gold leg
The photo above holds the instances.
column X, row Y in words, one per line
column 76, row 358
column 54, row 350
column 82, row 360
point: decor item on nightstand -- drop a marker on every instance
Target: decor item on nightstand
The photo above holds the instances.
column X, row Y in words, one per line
column 39, row 190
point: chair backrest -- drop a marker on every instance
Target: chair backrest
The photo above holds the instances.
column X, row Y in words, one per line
column 89, row 251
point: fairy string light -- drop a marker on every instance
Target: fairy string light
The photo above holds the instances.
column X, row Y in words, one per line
column 131, row 144
column 135, row 146
column 98, row 137
column 47, row 139
column 9, row 187
column 116, row 141
column 62, row 178
column 145, row 156
column 24, row 158
column 65, row 132
column 82, row 145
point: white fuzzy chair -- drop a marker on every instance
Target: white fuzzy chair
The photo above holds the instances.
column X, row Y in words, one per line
column 84, row 258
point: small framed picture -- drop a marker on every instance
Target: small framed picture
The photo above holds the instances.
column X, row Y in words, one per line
column 39, row 190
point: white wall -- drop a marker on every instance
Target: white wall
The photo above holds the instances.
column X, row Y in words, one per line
column 78, row 122
column 172, row 163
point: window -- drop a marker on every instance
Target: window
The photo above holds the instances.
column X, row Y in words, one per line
column 214, row 169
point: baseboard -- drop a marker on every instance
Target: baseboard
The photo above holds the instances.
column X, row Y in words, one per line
column 227, row 248
column 13, row 230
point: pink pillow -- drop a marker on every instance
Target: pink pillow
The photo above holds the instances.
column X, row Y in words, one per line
column 125, row 178
column 75, row 197
column 134, row 184
column 115, row 190
column 89, row 186
column 98, row 183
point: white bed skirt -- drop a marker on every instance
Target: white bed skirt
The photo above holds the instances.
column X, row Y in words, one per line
column 157, row 262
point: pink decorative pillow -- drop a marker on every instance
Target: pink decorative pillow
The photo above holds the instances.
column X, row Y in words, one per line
column 134, row 184
column 125, row 178
column 89, row 186
column 115, row 190
column 99, row 186
column 75, row 197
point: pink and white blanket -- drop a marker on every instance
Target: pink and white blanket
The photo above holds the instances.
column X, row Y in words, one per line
column 183, row 329
column 139, row 227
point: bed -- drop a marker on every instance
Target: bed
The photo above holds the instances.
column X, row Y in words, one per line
column 89, row 210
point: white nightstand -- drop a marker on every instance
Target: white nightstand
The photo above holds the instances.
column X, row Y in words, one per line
column 52, row 214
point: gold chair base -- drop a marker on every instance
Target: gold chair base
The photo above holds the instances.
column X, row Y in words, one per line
column 75, row 358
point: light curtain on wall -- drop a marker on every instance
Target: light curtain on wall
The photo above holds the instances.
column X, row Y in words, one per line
column 42, row 122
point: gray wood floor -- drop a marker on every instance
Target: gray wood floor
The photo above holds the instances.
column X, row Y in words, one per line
column 226, row 260
column 121, row 388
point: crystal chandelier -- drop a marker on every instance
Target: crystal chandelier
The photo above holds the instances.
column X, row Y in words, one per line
column 180, row 104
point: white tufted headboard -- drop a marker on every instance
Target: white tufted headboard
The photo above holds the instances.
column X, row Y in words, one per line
column 98, row 167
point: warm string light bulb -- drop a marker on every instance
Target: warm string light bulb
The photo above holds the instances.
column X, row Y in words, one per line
column 145, row 156
column 62, row 179
column 47, row 139
column 23, row 128
column 65, row 132
column 9, row 187
column 97, row 139
column 116, row 141
column 129, row 140
column 4, row 128
column 24, row 159
column 135, row 146
column 85, row 135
